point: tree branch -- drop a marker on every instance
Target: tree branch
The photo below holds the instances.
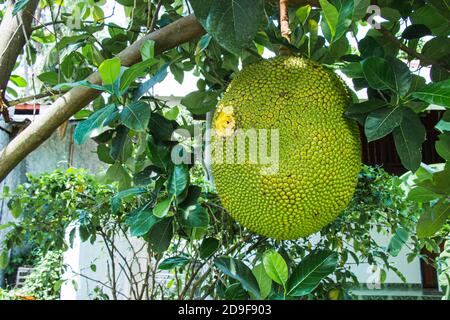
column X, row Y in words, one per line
column 393, row 39
column 14, row 32
column 178, row 32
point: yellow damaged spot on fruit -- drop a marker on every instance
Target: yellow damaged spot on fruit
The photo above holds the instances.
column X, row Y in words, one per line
column 224, row 123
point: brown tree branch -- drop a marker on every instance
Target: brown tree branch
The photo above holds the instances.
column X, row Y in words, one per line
column 178, row 32
column 284, row 20
column 393, row 39
column 14, row 30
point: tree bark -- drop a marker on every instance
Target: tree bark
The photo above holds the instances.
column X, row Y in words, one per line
column 178, row 32
column 14, row 31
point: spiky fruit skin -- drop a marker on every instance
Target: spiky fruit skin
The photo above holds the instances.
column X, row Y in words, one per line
column 319, row 149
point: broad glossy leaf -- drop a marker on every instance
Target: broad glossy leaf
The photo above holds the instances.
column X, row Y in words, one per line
column 179, row 180
column 443, row 146
column 115, row 201
column 365, row 107
column 389, row 73
column 136, row 116
column 200, row 102
column 381, row 122
column 240, row 272
column 264, row 281
column 145, row 87
column 161, row 235
column 310, row 272
column 398, row 241
column 423, row 195
column 408, row 138
column 141, row 222
column 208, row 247
column 234, row 24
column 110, row 70
column 194, row 217
column 436, row 93
column 96, row 121
column 134, row 72
column 275, row 266
column 162, row 208
column 432, row 220
column 416, row 31
column 173, row 263
column 331, row 15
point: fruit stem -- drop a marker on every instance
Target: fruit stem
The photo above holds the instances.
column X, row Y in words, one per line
column 284, row 25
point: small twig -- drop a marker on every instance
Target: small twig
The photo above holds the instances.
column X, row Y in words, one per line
column 155, row 17
column 391, row 38
column 284, row 25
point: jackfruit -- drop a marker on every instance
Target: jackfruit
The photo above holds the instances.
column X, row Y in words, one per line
column 319, row 153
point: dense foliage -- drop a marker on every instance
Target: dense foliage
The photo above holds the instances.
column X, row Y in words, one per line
column 203, row 259
column 163, row 203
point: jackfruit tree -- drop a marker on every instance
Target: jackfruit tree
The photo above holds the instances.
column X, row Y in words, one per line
column 321, row 76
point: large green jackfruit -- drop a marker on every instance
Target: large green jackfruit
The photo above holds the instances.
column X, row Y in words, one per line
column 319, row 149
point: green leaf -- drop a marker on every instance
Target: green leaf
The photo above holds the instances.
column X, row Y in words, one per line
column 234, row 24
column 141, row 222
column 436, row 93
column 200, row 102
column 110, row 70
column 302, row 13
column 18, row 81
column 4, row 259
column 365, row 107
column 360, row 9
column 264, row 281
column 408, row 138
column 148, row 50
column 381, row 122
column 162, row 208
column 387, row 74
column 235, row 292
column 432, row 220
column 173, row 263
column 416, row 31
column 116, row 200
column 50, row 77
column 96, row 121
column 118, row 173
column 145, row 87
column 161, row 235
column 239, row 271
column 422, row 195
column 443, row 146
column 208, row 247
column 331, row 15
column 310, row 272
column 444, row 124
column 131, row 74
column 159, row 155
column 136, row 116
column 179, row 180
column 194, row 216
column 398, row 241
column 432, row 18
column 172, row 114
column 275, row 266
column 19, row 6
column 121, row 144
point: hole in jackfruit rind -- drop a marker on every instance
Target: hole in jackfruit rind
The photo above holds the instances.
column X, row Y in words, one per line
column 312, row 177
